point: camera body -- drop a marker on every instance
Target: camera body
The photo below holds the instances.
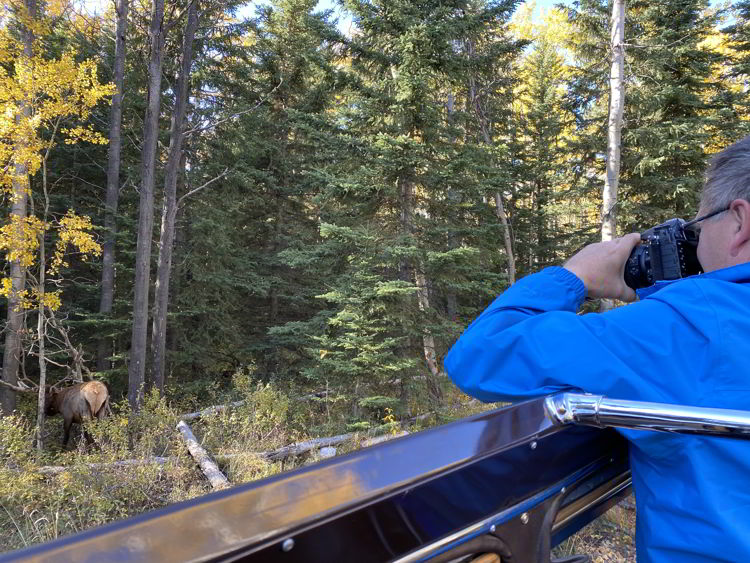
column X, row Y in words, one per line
column 668, row 252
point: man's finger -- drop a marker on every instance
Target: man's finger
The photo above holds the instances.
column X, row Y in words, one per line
column 632, row 239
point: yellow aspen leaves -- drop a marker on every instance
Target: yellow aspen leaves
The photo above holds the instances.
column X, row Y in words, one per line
column 74, row 231
column 20, row 239
column 36, row 95
column 43, row 99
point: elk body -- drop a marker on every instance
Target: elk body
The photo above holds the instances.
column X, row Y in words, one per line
column 78, row 403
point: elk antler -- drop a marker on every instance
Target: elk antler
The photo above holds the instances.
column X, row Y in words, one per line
column 65, row 379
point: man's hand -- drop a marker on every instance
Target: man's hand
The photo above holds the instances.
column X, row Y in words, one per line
column 601, row 267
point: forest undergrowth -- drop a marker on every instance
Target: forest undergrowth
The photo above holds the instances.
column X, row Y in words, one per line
column 38, row 505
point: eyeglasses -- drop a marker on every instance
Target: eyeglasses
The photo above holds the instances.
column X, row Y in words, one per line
column 695, row 229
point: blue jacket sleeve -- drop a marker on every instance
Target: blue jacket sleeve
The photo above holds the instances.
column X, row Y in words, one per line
column 530, row 342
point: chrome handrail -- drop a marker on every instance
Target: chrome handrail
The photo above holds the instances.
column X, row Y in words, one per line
column 601, row 411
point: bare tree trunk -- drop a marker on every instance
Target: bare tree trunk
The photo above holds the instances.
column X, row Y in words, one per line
column 499, row 207
column 408, row 195
column 42, row 363
column 428, row 340
column 12, row 350
column 175, row 283
column 500, row 212
column 169, row 211
column 616, row 106
column 40, row 329
column 137, row 367
column 104, row 350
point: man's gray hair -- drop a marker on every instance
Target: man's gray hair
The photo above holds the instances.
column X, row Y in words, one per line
column 727, row 177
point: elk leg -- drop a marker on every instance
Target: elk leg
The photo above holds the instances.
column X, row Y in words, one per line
column 85, row 419
column 67, row 425
column 104, row 410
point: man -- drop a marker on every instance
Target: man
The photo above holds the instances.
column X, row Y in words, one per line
column 686, row 343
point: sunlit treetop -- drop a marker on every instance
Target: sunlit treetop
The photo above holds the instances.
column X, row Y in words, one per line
column 41, row 95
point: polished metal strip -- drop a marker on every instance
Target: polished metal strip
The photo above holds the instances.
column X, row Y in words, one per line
column 601, row 412
column 590, row 500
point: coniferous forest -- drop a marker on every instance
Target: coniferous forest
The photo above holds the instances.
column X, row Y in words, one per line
column 207, row 202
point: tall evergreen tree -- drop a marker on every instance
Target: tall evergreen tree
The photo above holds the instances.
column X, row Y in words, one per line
column 739, row 71
column 245, row 291
column 541, row 136
column 409, row 181
column 671, row 111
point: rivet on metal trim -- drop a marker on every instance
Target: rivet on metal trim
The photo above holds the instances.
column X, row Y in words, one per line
column 287, row 545
column 525, row 518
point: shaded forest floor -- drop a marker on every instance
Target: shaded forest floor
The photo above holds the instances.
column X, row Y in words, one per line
column 608, row 539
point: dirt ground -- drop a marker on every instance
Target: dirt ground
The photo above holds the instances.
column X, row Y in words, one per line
column 608, row 539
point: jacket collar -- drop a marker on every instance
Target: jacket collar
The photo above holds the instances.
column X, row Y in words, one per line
column 735, row 274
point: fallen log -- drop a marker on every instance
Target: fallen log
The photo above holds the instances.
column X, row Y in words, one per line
column 57, row 469
column 315, row 443
column 303, row 447
column 274, row 455
column 215, row 409
column 381, row 439
column 210, row 410
column 217, row 479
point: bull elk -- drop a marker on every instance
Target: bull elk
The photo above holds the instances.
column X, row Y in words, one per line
column 78, row 403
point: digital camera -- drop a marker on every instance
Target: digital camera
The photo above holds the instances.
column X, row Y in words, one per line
column 668, row 252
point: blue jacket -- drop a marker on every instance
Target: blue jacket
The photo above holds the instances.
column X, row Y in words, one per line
column 687, row 343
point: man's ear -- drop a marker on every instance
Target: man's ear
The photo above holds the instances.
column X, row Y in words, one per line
column 740, row 210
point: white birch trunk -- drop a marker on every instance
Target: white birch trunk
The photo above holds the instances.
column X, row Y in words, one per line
column 616, row 107
column 500, row 212
column 428, row 340
column 40, row 328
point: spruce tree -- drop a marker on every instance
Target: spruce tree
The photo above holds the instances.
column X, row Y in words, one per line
column 739, row 71
column 244, row 292
column 409, row 186
column 669, row 114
